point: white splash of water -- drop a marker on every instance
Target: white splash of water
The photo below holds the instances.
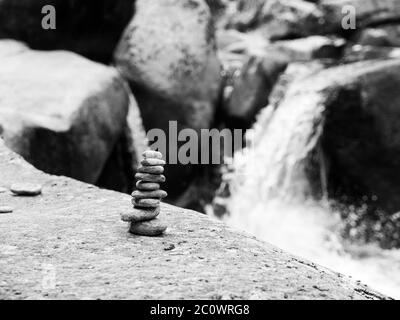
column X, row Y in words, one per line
column 272, row 197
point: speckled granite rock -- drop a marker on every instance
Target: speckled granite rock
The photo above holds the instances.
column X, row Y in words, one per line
column 74, row 230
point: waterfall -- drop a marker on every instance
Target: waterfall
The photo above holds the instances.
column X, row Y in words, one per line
column 278, row 192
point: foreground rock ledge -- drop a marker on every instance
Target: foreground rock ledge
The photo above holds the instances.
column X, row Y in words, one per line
column 73, row 231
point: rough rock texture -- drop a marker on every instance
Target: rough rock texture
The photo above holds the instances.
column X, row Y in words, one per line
column 70, row 244
column 61, row 112
column 175, row 75
column 91, row 28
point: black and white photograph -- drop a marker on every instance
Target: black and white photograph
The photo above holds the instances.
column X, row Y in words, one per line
column 197, row 157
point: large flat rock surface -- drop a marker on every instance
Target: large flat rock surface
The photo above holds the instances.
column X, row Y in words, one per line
column 69, row 243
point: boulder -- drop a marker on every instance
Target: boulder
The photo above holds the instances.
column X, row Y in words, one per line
column 382, row 36
column 70, row 243
column 61, row 112
column 251, row 71
column 174, row 75
column 361, row 136
column 90, row 28
column 279, row 19
column 310, row 48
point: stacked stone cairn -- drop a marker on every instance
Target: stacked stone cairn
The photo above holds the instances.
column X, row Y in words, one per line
column 146, row 199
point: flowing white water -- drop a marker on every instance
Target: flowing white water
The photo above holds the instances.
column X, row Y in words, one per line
column 272, row 197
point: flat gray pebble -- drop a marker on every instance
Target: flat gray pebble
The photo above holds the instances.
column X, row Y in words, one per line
column 26, row 189
column 6, row 209
column 150, row 228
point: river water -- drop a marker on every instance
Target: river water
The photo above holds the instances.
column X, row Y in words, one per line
column 272, row 196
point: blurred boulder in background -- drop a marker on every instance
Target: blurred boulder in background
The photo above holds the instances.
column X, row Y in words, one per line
column 172, row 62
column 61, row 112
column 253, row 66
column 361, row 136
column 168, row 53
column 90, row 28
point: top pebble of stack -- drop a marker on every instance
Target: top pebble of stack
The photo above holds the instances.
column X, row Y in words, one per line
column 152, row 155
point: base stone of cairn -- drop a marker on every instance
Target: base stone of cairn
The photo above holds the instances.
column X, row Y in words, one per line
column 146, row 199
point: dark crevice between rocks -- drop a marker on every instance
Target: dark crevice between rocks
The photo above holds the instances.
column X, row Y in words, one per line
column 119, row 170
column 90, row 28
column 362, row 175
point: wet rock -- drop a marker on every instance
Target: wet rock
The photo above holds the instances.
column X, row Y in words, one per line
column 151, row 228
column 310, row 48
column 246, row 15
column 174, row 75
column 158, row 194
column 382, row 36
column 6, row 209
column 147, row 200
column 61, row 112
column 90, row 28
column 26, row 189
column 360, row 53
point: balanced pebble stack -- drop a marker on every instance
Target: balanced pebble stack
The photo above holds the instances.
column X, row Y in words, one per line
column 146, row 199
